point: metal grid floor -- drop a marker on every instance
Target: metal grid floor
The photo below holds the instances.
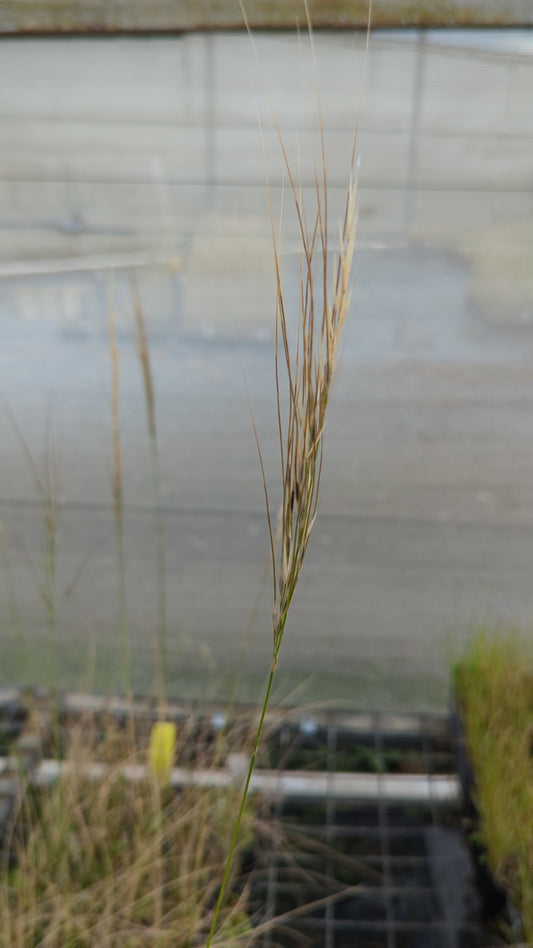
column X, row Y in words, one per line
column 372, row 873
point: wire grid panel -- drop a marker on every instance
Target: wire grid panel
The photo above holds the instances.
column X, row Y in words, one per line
column 346, row 873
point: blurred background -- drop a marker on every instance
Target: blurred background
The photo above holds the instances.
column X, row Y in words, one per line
column 132, row 186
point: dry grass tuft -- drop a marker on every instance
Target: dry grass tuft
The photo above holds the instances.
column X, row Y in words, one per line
column 116, row 862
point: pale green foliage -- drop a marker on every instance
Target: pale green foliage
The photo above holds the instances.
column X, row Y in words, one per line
column 494, row 684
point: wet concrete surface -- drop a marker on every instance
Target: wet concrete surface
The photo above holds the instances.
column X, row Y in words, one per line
column 116, row 148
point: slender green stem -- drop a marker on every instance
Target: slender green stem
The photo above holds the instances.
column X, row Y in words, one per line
column 118, row 490
column 122, row 609
column 241, row 809
column 161, row 647
column 143, row 352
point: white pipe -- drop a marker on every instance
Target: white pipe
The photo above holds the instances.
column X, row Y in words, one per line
column 398, row 788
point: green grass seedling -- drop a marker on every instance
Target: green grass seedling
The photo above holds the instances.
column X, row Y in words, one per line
column 494, row 685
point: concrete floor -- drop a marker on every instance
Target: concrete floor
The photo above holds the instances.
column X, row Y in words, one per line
column 144, row 155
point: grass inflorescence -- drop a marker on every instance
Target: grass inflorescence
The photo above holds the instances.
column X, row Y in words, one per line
column 304, row 375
